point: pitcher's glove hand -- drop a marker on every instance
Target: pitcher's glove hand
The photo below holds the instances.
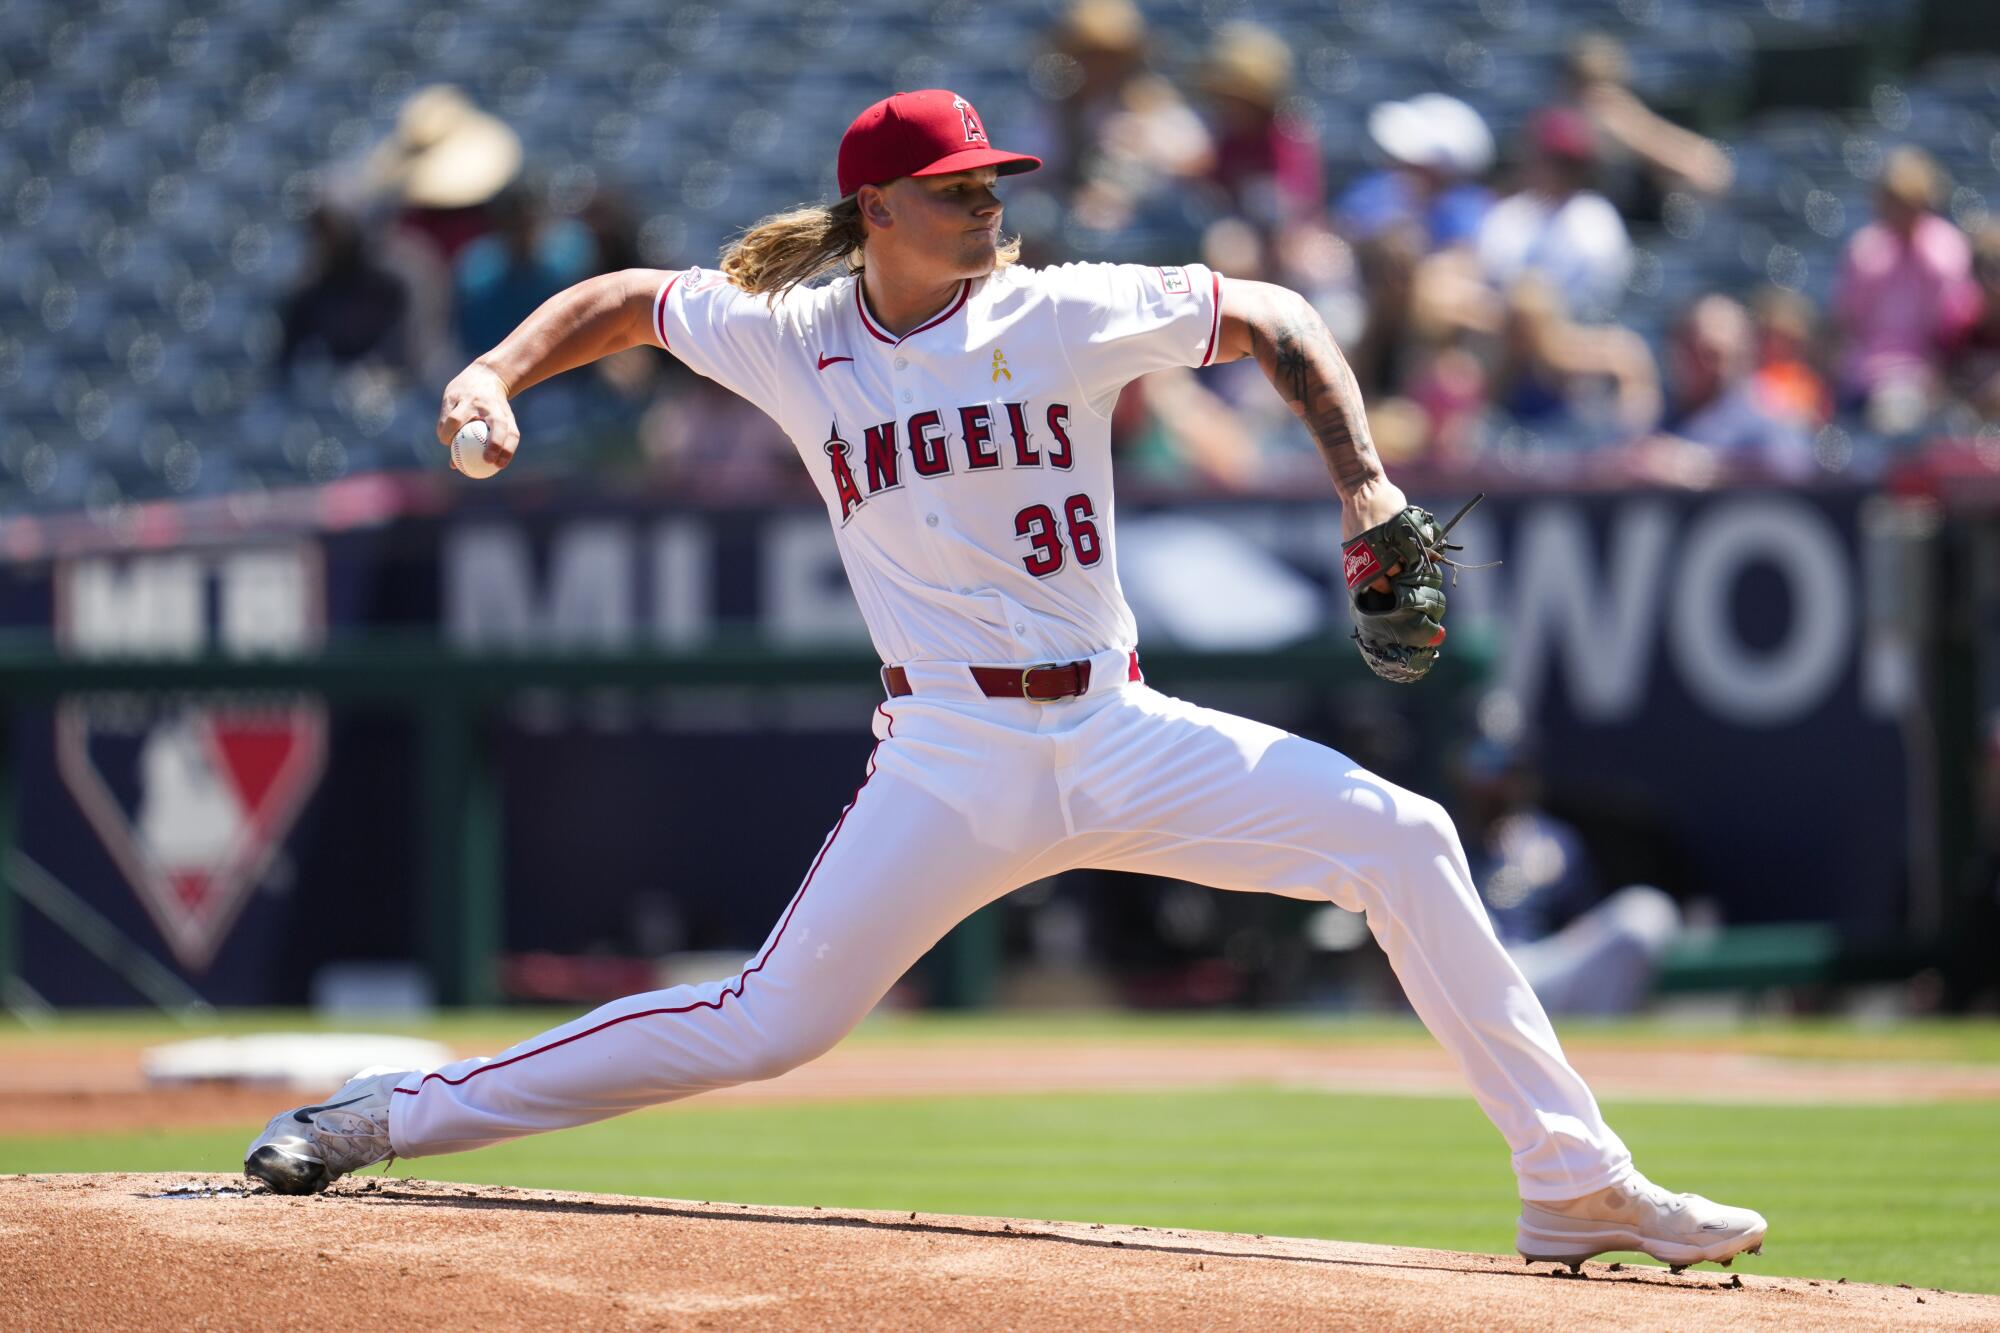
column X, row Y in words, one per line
column 1395, row 591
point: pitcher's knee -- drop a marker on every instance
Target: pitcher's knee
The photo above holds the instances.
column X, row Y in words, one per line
column 1411, row 847
column 770, row 1054
column 1425, row 826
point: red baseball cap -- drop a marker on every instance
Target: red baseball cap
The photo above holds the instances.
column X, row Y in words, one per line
column 1565, row 132
column 930, row 133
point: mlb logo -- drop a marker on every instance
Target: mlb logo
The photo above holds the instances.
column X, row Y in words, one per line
column 192, row 796
column 193, row 802
column 1175, row 280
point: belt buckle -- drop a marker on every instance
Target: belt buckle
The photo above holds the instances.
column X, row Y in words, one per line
column 1025, row 671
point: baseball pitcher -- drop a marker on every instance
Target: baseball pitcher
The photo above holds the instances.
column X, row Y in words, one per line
column 953, row 409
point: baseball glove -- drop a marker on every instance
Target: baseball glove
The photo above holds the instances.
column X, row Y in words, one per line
column 1399, row 631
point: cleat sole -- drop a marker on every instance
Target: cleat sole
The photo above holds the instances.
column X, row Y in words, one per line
column 1541, row 1247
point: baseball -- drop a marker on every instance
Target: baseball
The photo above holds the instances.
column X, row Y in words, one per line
column 468, row 450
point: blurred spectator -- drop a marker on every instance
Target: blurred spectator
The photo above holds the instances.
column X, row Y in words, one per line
column 434, row 175
column 1224, row 429
column 500, row 278
column 349, row 309
column 1643, row 156
column 1412, row 224
column 1453, row 315
column 1975, row 365
column 443, row 162
column 1267, row 166
column 1557, row 226
column 1215, row 430
column 614, row 236
column 1581, row 954
column 614, row 230
column 1905, row 294
column 709, row 444
column 1786, row 334
column 1316, row 263
column 1388, row 262
column 1172, row 429
column 1438, row 148
column 1448, row 384
column 1718, row 403
column 1553, row 374
column 1117, row 132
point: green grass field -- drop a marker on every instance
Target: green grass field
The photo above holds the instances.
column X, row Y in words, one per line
column 1872, row 1193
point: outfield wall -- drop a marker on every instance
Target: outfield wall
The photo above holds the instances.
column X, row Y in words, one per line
column 1722, row 684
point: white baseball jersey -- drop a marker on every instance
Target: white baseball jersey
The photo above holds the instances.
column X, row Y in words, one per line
column 966, row 465
column 967, row 471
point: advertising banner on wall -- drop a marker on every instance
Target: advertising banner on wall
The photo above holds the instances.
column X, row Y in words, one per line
column 1704, row 674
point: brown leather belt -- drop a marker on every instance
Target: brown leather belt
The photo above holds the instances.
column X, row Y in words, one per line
column 1044, row 683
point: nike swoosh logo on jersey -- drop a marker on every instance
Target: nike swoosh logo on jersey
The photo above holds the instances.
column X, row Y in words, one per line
column 825, row 360
column 305, row 1114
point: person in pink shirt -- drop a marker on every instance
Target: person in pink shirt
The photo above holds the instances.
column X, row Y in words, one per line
column 1266, row 166
column 1905, row 294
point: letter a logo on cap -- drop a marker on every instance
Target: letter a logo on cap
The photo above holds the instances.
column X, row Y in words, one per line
column 974, row 132
column 931, row 132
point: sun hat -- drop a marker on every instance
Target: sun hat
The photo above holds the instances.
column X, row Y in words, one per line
column 1433, row 130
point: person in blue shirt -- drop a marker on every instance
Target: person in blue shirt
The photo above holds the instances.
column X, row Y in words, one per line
column 1437, row 148
column 1582, row 951
column 504, row 276
column 1718, row 402
column 499, row 279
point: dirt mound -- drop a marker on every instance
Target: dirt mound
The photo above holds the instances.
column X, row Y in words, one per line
column 133, row 1251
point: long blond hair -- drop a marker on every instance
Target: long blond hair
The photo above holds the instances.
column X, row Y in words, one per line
column 798, row 245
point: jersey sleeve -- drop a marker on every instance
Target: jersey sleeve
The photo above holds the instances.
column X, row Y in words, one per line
column 720, row 331
column 1120, row 321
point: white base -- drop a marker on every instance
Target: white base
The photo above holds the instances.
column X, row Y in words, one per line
column 314, row 1061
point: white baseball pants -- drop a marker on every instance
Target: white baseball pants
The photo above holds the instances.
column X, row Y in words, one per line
column 965, row 799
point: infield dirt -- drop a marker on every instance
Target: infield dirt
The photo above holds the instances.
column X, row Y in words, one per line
column 98, row 1087
column 152, row 1251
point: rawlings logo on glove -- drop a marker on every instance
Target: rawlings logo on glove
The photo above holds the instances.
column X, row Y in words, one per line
column 1359, row 563
column 1399, row 629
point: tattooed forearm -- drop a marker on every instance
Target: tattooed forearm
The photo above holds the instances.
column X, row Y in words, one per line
column 1306, row 368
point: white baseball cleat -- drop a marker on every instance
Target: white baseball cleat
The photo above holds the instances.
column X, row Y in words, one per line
column 305, row 1150
column 1636, row 1214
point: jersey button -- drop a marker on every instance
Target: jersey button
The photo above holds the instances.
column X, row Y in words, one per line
column 930, row 520
column 906, row 395
column 902, row 362
column 1020, row 629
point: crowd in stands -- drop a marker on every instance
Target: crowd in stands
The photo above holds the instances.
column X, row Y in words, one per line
column 433, row 246
column 1482, row 286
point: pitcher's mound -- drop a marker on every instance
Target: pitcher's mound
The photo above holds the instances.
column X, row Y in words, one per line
column 131, row 1251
